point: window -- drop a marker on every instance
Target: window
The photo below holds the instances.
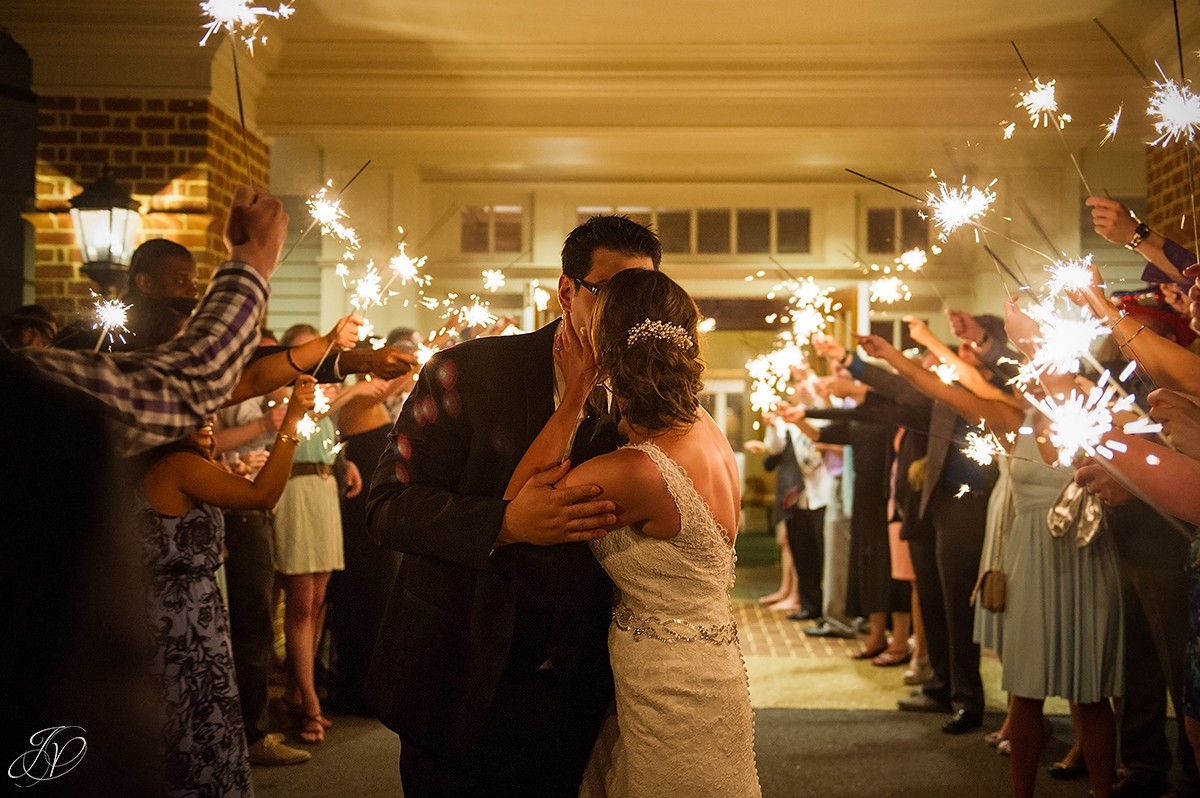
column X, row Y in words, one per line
column 485, row 229
column 719, row 231
column 712, row 231
column 753, row 231
column 793, row 233
column 896, row 230
column 675, row 230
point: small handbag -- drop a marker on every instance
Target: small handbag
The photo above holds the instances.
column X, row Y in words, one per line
column 992, row 585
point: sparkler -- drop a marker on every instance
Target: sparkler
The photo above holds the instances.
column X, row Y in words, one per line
column 1078, row 422
column 312, row 200
column 111, row 316
column 953, row 207
column 1063, row 342
column 1040, row 102
column 983, row 447
column 946, row 372
column 1110, row 129
column 242, row 21
column 239, row 19
column 889, row 290
column 328, row 214
column 1069, row 276
column 963, row 490
column 1176, row 110
column 493, row 279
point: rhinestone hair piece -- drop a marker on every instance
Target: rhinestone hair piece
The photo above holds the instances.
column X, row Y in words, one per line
column 653, row 328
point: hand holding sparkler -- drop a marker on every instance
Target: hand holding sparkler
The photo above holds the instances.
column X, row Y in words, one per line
column 877, row 347
column 255, row 229
column 1180, row 416
column 1112, row 220
column 344, row 334
column 1020, row 328
column 302, row 400
column 918, row 330
column 1092, row 477
column 829, row 347
column 386, row 363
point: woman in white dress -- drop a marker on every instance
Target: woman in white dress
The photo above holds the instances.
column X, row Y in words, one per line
column 684, row 725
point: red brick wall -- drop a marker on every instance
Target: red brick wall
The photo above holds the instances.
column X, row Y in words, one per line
column 1167, row 200
column 180, row 158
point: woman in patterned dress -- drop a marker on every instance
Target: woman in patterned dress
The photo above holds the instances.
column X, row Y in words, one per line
column 179, row 507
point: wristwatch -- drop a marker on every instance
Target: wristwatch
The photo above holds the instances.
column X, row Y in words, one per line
column 1140, row 233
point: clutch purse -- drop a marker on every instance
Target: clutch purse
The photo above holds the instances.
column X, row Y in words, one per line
column 990, row 590
column 1076, row 513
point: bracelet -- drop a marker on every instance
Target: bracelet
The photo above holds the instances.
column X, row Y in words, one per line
column 283, row 437
column 1121, row 316
column 1129, row 340
column 288, row 354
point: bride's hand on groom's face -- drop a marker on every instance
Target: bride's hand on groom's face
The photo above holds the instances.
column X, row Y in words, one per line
column 574, row 355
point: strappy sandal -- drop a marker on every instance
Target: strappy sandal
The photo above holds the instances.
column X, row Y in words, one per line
column 890, row 659
column 868, row 653
column 312, row 729
column 297, row 712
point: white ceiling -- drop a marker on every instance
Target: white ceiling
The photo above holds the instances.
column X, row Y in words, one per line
column 759, row 90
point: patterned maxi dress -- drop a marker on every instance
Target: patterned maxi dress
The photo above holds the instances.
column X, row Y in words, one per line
column 205, row 741
column 684, row 725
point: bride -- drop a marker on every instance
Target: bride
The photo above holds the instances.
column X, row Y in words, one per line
column 683, row 722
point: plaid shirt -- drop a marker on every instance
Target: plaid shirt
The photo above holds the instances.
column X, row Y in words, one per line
column 159, row 395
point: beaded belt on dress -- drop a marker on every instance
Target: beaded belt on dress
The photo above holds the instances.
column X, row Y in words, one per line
column 673, row 630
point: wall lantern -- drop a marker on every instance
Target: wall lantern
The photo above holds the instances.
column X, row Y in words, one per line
column 107, row 224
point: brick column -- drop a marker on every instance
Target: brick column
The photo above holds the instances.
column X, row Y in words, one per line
column 180, row 158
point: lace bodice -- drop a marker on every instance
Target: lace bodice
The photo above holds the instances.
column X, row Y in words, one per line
column 684, row 579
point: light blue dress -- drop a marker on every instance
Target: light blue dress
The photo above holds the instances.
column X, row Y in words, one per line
column 1063, row 632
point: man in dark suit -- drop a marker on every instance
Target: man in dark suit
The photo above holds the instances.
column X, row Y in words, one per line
column 492, row 661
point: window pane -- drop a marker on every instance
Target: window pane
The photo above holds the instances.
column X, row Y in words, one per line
column 675, row 230
column 474, row 228
column 639, row 214
column 508, row 224
column 885, row 329
column 914, row 230
column 712, row 230
column 754, row 230
column 881, row 229
column 793, row 231
column 585, row 212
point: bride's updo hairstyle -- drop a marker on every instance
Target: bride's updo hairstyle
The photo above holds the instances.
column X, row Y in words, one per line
column 646, row 345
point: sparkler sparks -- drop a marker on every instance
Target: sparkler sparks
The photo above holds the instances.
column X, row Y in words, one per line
column 240, row 19
column 1110, row 129
column 1064, row 341
column 306, row 427
column 983, row 448
column 541, row 298
column 493, row 279
column 946, row 372
column 407, row 269
column 1077, row 422
column 1069, row 276
column 1177, row 110
column 889, row 290
column 329, row 215
column 963, row 490
column 1042, row 105
column 953, row 207
column 368, row 289
column 111, row 316
column 914, row 259
column 424, row 352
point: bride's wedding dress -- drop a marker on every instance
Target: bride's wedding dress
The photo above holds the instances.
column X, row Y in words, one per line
column 683, row 725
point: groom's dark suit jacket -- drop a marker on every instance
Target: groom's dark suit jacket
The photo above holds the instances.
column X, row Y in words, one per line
column 460, row 614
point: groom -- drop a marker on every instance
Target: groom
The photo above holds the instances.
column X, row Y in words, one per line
column 492, row 661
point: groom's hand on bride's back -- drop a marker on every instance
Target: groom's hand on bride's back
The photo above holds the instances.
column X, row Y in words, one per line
column 543, row 515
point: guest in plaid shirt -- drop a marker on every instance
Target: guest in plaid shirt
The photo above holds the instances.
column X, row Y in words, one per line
column 157, row 396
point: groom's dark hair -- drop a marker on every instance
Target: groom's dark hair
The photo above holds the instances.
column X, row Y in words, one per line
column 618, row 233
